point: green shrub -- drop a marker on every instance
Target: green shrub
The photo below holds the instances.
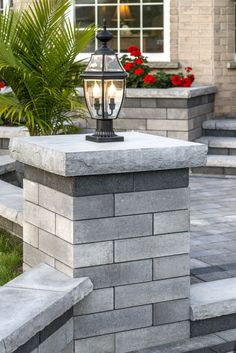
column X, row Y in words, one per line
column 38, row 60
column 10, row 257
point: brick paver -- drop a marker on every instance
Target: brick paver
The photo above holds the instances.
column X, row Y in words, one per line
column 213, row 228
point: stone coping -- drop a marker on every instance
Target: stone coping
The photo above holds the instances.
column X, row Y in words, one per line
column 72, row 155
column 213, row 299
column 35, row 299
column 13, row 131
column 178, row 92
column 11, row 202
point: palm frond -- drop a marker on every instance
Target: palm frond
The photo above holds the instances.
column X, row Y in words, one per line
column 38, row 59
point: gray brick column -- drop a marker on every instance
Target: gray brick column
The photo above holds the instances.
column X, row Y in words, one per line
column 118, row 214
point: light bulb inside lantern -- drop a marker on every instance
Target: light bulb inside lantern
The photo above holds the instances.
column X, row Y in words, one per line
column 112, row 90
column 96, row 91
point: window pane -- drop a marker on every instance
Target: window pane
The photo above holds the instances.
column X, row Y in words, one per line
column 128, row 38
column 158, row 2
column 110, row 15
column 152, row 16
column 114, row 42
column 79, row 2
column 129, row 16
column 130, row 1
column 85, row 15
column 153, row 41
column 107, row 1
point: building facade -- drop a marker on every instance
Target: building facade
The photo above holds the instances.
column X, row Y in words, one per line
column 173, row 34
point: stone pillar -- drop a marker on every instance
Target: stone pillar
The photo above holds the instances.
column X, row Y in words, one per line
column 119, row 214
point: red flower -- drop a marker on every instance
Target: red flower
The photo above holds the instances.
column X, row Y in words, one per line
column 149, row 79
column 187, row 82
column 188, row 68
column 128, row 66
column 2, row 85
column 176, row 80
column 138, row 71
column 132, row 48
column 138, row 61
column 134, row 51
column 191, row 77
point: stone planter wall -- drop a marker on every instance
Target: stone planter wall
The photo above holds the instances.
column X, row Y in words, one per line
column 174, row 112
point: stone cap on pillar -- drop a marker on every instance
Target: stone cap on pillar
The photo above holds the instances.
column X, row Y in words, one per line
column 72, row 155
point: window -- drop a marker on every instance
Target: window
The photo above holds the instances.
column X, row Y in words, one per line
column 4, row 3
column 144, row 23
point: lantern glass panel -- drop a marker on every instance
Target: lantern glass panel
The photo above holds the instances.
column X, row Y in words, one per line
column 95, row 63
column 107, row 105
column 111, row 63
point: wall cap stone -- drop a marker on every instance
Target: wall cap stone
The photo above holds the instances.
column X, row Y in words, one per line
column 33, row 300
column 13, row 131
column 72, row 155
column 178, row 92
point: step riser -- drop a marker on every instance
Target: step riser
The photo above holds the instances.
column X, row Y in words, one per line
column 220, row 133
column 214, row 171
column 222, row 151
column 213, row 325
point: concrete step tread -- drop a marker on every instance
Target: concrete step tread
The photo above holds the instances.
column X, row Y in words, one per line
column 11, row 202
column 218, row 142
column 213, row 299
column 224, row 161
column 220, row 124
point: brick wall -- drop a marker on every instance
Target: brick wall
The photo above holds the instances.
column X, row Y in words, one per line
column 224, row 48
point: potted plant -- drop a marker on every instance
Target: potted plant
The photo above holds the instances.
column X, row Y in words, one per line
column 38, row 61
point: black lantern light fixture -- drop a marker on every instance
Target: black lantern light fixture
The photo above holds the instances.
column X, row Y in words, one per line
column 104, row 87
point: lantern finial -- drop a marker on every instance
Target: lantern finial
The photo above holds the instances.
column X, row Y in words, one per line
column 104, row 36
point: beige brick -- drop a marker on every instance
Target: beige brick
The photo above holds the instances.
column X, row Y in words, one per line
column 170, row 125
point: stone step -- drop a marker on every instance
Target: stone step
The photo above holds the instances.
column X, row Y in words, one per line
column 220, row 127
column 219, row 124
column 218, row 165
column 212, row 299
column 219, row 145
column 221, row 161
column 11, row 208
column 213, row 306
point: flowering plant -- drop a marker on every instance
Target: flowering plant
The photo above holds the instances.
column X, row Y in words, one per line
column 2, row 85
column 140, row 73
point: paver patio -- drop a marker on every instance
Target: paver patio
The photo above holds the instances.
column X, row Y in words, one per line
column 213, row 228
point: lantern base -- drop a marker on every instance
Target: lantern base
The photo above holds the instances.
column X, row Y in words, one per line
column 96, row 138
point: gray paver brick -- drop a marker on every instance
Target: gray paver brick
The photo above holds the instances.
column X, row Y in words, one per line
column 112, row 321
column 151, row 201
column 149, row 247
column 171, row 311
column 152, row 292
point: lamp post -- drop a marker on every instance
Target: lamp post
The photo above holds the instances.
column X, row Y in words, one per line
column 104, row 87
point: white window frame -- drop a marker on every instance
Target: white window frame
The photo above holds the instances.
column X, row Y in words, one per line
column 235, row 31
column 152, row 57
